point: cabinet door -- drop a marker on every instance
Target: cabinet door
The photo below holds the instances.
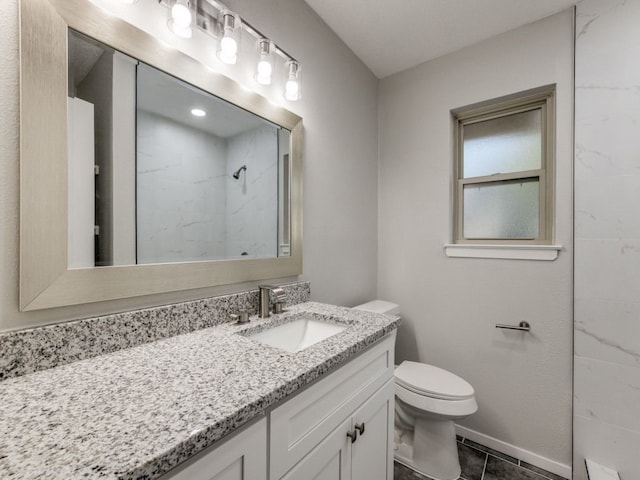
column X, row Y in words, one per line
column 330, row 460
column 372, row 452
column 243, row 457
column 302, row 422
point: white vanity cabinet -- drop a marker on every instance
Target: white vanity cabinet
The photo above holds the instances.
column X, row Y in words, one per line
column 338, row 457
column 328, row 461
column 309, row 433
column 242, row 457
column 339, row 428
column 372, row 452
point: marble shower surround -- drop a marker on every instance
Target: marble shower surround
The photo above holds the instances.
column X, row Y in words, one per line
column 252, row 200
column 31, row 350
column 181, row 190
column 607, row 237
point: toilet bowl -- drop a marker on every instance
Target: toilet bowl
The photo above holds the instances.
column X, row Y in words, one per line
column 428, row 401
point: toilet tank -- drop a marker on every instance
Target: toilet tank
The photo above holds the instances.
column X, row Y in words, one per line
column 380, row 306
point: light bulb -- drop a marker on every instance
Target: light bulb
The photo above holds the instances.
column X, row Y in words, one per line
column 292, row 86
column 291, row 89
column 180, row 19
column 265, row 69
column 181, row 15
column 228, row 50
column 228, row 46
column 198, row 112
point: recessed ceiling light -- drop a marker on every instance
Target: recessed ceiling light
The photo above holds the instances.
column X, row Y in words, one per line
column 198, row 112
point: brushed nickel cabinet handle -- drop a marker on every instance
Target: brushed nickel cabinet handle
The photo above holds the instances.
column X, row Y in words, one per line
column 353, row 435
column 360, row 428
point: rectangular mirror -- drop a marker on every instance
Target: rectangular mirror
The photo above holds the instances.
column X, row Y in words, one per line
column 127, row 189
column 170, row 173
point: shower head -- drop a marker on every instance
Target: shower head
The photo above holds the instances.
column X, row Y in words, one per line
column 236, row 174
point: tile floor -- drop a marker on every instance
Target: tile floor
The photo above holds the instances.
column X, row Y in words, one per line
column 482, row 463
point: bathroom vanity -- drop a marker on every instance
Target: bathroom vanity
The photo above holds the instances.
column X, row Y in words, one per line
column 212, row 403
column 340, row 427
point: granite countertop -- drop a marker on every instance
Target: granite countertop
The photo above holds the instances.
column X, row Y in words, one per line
column 139, row 412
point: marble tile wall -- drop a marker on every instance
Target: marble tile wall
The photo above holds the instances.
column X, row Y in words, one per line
column 189, row 206
column 181, row 192
column 607, row 237
column 252, row 200
column 31, row 350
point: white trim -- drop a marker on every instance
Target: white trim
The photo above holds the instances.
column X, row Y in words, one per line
column 513, row 252
column 517, row 452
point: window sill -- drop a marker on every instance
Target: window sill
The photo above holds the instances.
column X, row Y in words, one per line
column 512, row 252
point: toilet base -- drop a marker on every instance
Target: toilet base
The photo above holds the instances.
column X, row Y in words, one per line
column 430, row 449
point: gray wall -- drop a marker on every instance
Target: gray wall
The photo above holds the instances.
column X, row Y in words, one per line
column 607, row 251
column 339, row 108
column 450, row 305
column 340, row 111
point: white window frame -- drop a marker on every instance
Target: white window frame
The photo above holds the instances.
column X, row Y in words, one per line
column 542, row 98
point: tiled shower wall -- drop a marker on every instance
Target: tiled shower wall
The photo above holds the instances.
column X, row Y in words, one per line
column 607, row 237
column 190, row 207
column 181, row 192
column 252, row 200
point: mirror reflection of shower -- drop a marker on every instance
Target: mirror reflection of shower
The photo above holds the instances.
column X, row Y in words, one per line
column 237, row 173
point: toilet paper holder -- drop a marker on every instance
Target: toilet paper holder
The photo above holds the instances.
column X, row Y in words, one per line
column 522, row 326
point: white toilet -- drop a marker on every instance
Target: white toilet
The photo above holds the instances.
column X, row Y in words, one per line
column 428, row 400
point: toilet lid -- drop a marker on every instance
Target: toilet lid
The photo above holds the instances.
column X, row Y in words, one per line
column 432, row 381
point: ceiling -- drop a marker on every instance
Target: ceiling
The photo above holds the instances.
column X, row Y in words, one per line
column 164, row 95
column 83, row 55
column 391, row 36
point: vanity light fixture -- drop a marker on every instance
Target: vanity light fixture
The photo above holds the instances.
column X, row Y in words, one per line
column 198, row 112
column 181, row 18
column 264, row 69
column 292, row 85
column 216, row 20
column 228, row 51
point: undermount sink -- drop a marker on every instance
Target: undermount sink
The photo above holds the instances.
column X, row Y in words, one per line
column 297, row 334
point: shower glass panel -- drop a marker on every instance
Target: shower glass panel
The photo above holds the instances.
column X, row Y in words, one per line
column 505, row 210
column 507, row 144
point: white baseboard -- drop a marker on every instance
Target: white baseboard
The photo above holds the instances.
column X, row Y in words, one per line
column 517, row 452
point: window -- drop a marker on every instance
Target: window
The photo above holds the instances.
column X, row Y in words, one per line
column 504, row 170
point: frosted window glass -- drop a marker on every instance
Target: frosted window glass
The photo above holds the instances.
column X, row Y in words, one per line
column 512, row 143
column 502, row 209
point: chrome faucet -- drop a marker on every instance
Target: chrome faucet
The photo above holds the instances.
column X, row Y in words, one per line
column 263, row 306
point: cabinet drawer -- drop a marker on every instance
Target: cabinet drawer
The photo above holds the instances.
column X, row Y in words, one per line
column 302, row 422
